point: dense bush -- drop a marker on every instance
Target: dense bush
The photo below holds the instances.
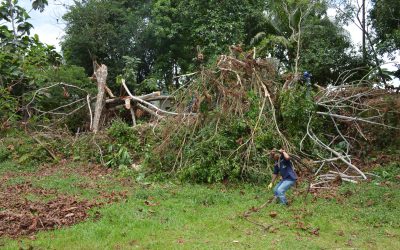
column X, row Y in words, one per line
column 295, row 108
column 8, row 107
column 125, row 135
column 214, row 146
column 22, row 149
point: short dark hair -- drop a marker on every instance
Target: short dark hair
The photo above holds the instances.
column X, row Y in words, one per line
column 274, row 155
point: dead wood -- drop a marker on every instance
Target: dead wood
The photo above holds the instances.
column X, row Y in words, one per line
column 101, row 76
column 246, row 215
column 148, row 104
column 46, row 148
column 90, row 111
column 133, row 116
column 224, row 92
column 149, row 111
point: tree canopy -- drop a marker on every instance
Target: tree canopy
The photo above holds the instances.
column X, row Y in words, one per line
column 386, row 22
column 168, row 36
column 151, row 42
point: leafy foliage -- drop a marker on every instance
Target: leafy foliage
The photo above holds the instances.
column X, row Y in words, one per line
column 295, row 108
column 164, row 34
column 125, row 135
column 118, row 157
column 384, row 17
column 104, row 31
column 9, row 106
column 32, row 76
column 21, row 149
column 150, row 43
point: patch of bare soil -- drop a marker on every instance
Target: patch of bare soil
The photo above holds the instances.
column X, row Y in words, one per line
column 20, row 216
column 26, row 209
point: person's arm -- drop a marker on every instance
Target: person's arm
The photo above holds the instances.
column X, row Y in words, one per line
column 285, row 155
column 274, row 177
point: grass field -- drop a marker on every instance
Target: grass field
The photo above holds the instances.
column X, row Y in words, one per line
column 188, row 216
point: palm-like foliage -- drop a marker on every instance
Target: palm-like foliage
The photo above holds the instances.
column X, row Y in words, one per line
column 287, row 19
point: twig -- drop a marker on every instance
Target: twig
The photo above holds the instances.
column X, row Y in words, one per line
column 149, row 111
column 320, row 143
column 43, row 146
column 355, row 119
column 265, row 227
column 90, row 111
column 133, row 117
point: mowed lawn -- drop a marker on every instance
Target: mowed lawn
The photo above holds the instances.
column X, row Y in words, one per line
column 188, row 216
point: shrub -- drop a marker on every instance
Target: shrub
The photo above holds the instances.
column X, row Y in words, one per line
column 125, row 135
column 118, row 156
column 8, row 107
column 295, row 109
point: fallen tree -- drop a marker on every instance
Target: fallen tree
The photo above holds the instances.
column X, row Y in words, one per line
column 245, row 109
column 131, row 102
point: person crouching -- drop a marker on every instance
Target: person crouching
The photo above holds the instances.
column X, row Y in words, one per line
column 283, row 167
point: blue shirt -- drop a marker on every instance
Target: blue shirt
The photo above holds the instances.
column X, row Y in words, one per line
column 285, row 168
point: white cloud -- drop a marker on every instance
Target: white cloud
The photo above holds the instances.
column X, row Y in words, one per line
column 49, row 34
column 48, row 25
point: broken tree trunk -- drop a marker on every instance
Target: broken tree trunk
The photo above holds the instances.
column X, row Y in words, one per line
column 155, row 96
column 109, row 92
column 149, row 105
column 133, row 117
column 149, row 111
column 101, row 76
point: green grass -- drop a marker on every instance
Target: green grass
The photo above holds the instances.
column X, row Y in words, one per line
column 68, row 184
column 9, row 165
column 208, row 217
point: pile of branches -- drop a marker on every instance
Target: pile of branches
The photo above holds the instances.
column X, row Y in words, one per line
column 238, row 119
column 234, row 105
column 359, row 112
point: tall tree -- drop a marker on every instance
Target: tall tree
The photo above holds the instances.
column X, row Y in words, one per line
column 327, row 51
column 183, row 29
column 28, row 65
column 385, row 17
column 104, row 30
column 166, row 35
column 302, row 37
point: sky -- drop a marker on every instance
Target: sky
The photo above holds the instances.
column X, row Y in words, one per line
column 50, row 26
column 356, row 37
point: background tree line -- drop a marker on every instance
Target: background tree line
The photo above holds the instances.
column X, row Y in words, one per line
column 150, row 42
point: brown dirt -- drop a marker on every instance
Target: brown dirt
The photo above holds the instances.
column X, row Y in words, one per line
column 26, row 209
column 20, row 216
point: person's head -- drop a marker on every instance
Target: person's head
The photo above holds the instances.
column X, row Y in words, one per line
column 274, row 155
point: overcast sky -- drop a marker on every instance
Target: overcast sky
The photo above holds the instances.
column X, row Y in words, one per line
column 50, row 26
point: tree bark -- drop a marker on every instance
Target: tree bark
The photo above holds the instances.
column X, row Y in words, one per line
column 133, row 117
column 101, row 76
column 363, row 33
